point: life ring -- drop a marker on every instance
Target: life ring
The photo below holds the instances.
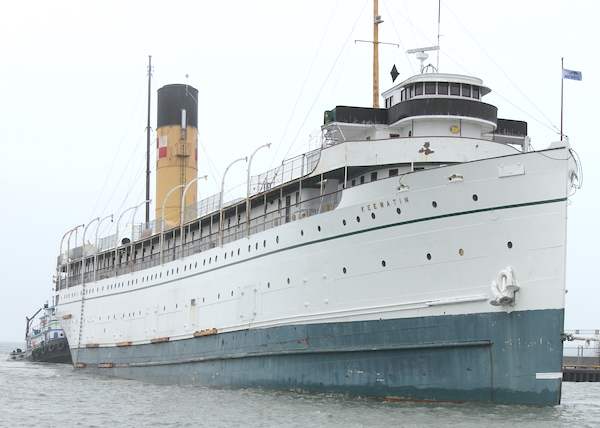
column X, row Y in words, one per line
column 51, row 347
column 60, row 345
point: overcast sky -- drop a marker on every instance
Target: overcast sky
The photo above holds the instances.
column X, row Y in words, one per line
column 73, row 103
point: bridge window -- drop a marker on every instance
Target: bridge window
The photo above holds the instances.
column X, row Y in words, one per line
column 418, row 89
column 443, row 88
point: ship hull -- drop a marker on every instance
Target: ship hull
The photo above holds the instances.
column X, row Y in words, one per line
column 394, row 294
column 503, row 357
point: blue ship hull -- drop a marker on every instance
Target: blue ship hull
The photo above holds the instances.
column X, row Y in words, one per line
column 493, row 357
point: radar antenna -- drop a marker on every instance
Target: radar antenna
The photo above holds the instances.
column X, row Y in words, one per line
column 422, row 56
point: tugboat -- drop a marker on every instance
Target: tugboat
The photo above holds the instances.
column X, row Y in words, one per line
column 46, row 341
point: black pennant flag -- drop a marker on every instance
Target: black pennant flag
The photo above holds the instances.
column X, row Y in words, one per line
column 394, row 73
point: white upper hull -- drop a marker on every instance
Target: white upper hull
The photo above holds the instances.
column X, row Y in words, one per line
column 421, row 244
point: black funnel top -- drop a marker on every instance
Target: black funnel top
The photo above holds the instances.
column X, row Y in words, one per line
column 172, row 99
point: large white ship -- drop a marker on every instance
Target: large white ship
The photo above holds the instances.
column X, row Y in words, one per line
column 418, row 254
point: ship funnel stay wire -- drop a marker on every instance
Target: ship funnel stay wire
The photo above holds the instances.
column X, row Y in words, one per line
column 116, row 155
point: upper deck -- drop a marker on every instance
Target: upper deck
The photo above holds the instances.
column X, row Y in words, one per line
column 430, row 120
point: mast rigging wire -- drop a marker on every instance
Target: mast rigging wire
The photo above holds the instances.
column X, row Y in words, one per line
column 502, row 71
column 324, row 82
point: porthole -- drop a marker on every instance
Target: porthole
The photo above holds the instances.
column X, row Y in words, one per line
column 288, row 280
column 428, row 256
column 344, row 222
column 461, row 252
column 398, row 210
column 357, row 219
column 249, row 248
column 383, row 263
column 475, row 198
column 204, row 263
column 434, row 204
column 238, row 251
column 195, row 265
column 277, row 239
column 268, row 285
column 264, row 243
column 302, row 232
column 319, row 228
column 231, row 253
column 509, row 244
column 344, row 270
column 232, row 294
column 210, row 261
column 373, row 216
column 256, row 246
column 219, row 296
column 225, row 256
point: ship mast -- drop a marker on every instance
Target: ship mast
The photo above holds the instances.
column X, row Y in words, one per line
column 376, row 22
column 148, row 144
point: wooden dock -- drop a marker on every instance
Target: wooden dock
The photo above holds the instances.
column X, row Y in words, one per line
column 581, row 373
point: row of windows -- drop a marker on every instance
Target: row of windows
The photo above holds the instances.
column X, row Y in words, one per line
column 437, row 88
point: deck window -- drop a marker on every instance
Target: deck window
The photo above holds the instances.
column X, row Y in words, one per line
column 455, row 89
column 443, row 88
column 429, row 88
column 476, row 92
column 418, row 89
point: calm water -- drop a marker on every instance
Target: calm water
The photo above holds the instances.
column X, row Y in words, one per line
column 50, row 395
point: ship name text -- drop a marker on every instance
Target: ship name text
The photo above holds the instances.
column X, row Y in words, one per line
column 384, row 204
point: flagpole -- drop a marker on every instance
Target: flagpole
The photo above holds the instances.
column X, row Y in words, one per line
column 562, row 82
